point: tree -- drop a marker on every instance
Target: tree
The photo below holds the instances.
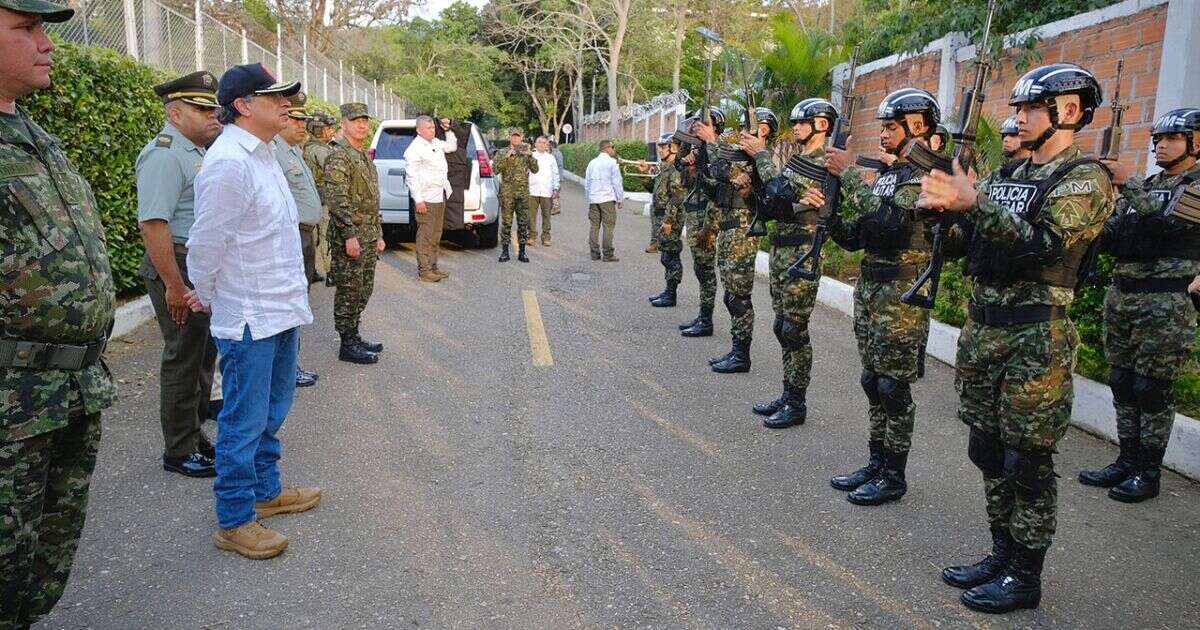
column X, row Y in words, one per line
column 799, row 63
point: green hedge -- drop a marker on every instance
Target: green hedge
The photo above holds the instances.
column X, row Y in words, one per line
column 577, row 156
column 102, row 109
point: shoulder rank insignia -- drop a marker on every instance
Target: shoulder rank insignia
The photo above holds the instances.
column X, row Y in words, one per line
column 163, row 140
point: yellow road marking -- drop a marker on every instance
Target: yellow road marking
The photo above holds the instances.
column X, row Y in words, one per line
column 539, row 344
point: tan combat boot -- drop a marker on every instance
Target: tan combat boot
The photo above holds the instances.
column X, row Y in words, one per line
column 289, row 501
column 251, row 540
column 428, row 276
column 441, row 273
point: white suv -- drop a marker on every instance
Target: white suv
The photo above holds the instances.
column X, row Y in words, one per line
column 481, row 208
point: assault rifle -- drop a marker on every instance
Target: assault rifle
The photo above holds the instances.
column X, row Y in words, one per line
column 694, row 201
column 809, row 265
column 1111, row 147
column 964, row 153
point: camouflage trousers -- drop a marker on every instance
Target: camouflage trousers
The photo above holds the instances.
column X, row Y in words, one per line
column 1015, row 390
column 514, row 204
column 735, row 259
column 354, row 279
column 704, row 261
column 793, row 300
column 1149, row 334
column 669, row 248
column 44, row 484
column 891, row 338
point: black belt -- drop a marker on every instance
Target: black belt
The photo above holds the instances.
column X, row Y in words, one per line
column 889, row 273
column 1152, row 285
column 790, row 240
column 729, row 225
column 1015, row 315
column 34, row 355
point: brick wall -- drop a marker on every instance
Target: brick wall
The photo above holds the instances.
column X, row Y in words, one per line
column 919, row 72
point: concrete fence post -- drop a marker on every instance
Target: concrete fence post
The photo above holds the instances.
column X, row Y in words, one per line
column 324, row 84
column 245, row 48
column 341, row 84
column 304, row 60
column 948, row 71
column 129, row 13
column 199, row 34
column 279, row 51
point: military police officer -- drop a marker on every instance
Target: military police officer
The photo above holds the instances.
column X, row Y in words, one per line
column 356, row 236
column 667, row 187
column 1010, row 137
column 792, row 298
column 514, row 167
column 57, row 302
column 697, row 212
column 891, row 334
column 1149, row 321
column 1033, row 234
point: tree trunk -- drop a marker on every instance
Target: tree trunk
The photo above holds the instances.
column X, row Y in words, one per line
column 680, row 16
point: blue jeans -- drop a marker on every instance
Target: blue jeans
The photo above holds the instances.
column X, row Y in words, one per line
column 258, row 380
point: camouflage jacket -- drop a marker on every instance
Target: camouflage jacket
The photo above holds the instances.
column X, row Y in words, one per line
column 351, row 191
column 727, row 203
column 768, row 170
column 1074, row 213
column 514, row 170
column 668, row 192
column 859, row 202
column 316, row 153
column 1137, row 203
column 56, row 285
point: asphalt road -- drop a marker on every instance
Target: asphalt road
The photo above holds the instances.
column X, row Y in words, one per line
column 624, row 485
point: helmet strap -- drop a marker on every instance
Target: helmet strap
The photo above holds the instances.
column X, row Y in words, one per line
column 1036, row 143
column 1011, row 154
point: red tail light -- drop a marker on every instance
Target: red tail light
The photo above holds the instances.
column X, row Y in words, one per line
column 485, row 165
column 371, row 154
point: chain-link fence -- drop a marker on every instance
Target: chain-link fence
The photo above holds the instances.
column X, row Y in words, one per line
column 164, row 38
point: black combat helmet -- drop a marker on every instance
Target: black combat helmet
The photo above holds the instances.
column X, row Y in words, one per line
column 910, row 101
column 666, row 138
column 1009, row 126
column 1042, row 84
column 1185, row 120
column 811, row 108
column 764, row 115
column 718, row 118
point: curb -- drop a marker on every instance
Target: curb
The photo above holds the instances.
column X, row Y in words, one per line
column 1093, row 407
column 130, row 315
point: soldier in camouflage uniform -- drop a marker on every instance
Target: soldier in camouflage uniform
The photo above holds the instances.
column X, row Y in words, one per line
column 891, row 335
column 316, row 151
column 1149, row 320
column 1033, row 238
column 352, row 192
column 791, row 237
column 514, row 167
column 668, row 190
column 57, row 302
column 697, row 210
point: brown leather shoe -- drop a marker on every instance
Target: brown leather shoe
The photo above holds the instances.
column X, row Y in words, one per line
column 652, row 248
column 611, row 259
column 545, row 242
column 428, row 276
column 289, row 501
column 441, row 273
column 251, row 540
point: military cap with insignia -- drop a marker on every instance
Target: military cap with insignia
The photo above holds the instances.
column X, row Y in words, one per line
column 251, row 79
column 318, row 122
column 350, row 111
column 296, row 106
column 197, row 88
column 49, row 11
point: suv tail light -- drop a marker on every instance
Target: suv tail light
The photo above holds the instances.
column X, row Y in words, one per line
column 485, row 165
column 371, row 154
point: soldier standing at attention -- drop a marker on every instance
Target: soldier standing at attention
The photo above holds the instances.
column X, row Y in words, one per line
column 316, row 151
column 356, row 239
column 701, row 243
column 1033, row 238
column 57, row 301
column 793, row 298
column 891, row 335
column 514, row 167
column 304, row 191
column 166, row 169
column 1149, row 321
column 667, row 187
column 1010, row 136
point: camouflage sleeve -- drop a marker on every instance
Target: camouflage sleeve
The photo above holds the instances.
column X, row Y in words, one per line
column 337, row 186
column 1134, row 198
column 766, row 167
column 675, row 193
column 531, row 164
column 857, row 201
column 1075, row 210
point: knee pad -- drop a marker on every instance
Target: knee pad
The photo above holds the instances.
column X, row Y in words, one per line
column 738, row 305
column 1153, row 395
column 894, row 395
column 987, row 453
column 791, row 335
column 1030, row 472
column 870, row 384
column 1120, row 380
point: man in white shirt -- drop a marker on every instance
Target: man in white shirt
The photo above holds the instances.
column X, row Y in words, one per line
column 425, row 167
column 245, row 263
column 605, row 194
column 543, row 186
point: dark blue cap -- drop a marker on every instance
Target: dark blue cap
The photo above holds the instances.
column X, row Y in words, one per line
column 251, row 78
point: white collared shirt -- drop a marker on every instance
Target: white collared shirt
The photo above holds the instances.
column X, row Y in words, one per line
column 603, row 180
column 425, row 167
column 544, row 182
column 244, row 249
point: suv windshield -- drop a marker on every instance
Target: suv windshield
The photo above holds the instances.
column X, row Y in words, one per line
column 395, row 140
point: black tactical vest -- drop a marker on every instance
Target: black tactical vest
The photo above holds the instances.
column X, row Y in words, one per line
column 1157, row 236
column 1002, row 263
column 889, row 228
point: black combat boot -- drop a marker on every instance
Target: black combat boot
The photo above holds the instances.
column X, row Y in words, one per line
column 504, row 253
column 352, row 352
column 369, row 346
column 857, row 478
column 888, row 485
column 689, row 324
column 1116, row 472
column 986, row 570
column 521, row 254
column 793, row 412
column 701, row 327
column 1019, row 586
column 738, row 359
column 769, row 408
column 667, row 297
column 1144, row 484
